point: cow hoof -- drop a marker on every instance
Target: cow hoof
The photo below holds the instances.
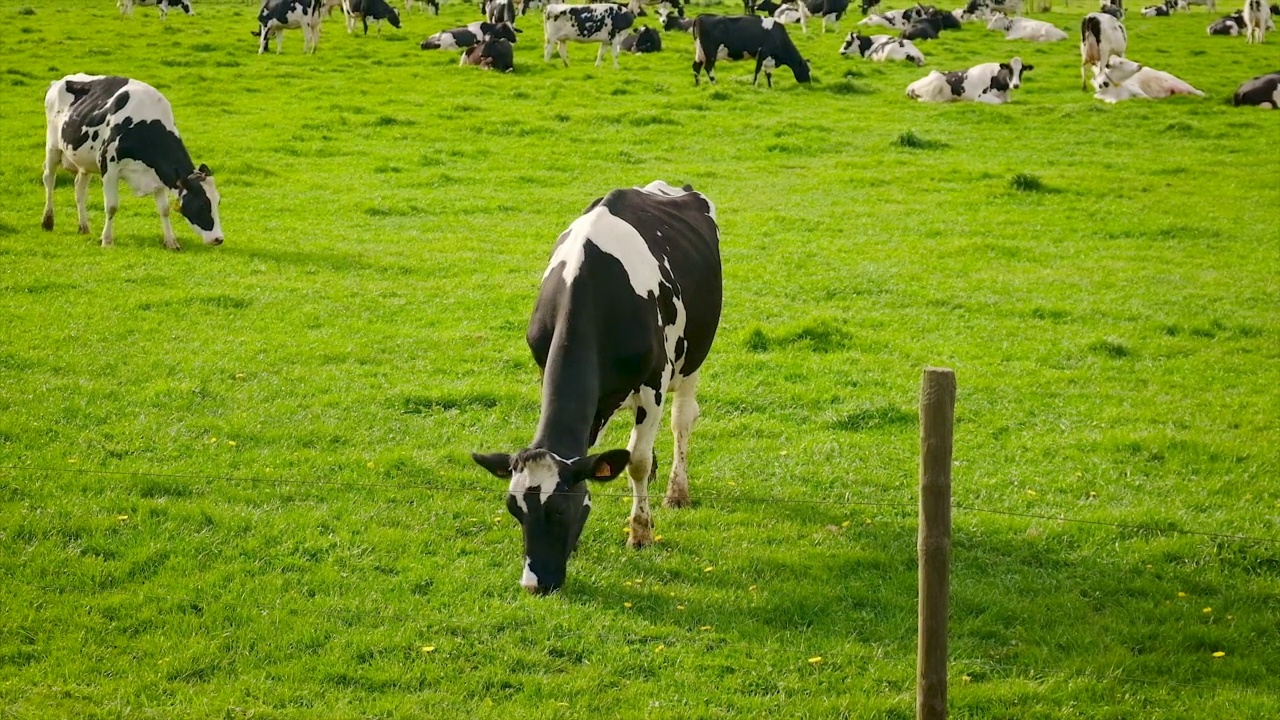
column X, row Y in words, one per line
column 47, row 221
column 639, row 537
column 675, row 501
column 84, row 229
column 108, row 242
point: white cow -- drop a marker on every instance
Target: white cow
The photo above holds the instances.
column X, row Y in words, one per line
column 605, row 23
column 1257, row 21
column 793, row 12
column 1026, row 29
column 1101, row 37
column 879, row 48
column 988, row 83
column 1124, row 79
column 892, row 19
column 123, row 129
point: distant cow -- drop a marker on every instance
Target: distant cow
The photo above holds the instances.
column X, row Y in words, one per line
column 793, row 13
column 893, row 19
column 646, row 40
column 1155, row 11
column 880, row 48
column 1026, row 29
column 866, row 5
column 492, row 54
column 1212, row 5
column 626, row 315
column 126, row 6
column 469, row 36
column 671, row 21
column 984, row 9
column 432, row 5
column 832, row 10
column 605, row 23
column 499, row 11
column 745, row 36
column 1262, row 91
column 1229, row 25
column 1101, row 37
column 920, row 30
column 1123, row 79
column 276, row 16
column 987, row 83
column 123, row 129
column 1257, row 21
column 364, row 10
column 768, row 7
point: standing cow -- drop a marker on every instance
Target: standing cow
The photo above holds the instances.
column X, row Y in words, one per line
column 364, row 10
column 123, row 129
column 745, row 36
column 626, row 315
column 605, row 23
column 126, row 6
column 1101, row 38
column 1257, row 21
column 276, row 16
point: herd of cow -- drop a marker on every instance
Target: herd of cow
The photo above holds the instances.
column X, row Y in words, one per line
column 630, row 302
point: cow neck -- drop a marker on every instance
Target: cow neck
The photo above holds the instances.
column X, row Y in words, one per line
column 570, row 395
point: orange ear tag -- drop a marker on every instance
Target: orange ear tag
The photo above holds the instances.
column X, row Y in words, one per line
column 603, row 470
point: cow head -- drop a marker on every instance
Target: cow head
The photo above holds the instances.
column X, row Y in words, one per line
column 648, row 40
column 502, row 31
column 1014, row 69
column 1116, row 71
column 183, row 5
column 856, row 43
column 548, row 496
column 198, row 200
column 393, row 17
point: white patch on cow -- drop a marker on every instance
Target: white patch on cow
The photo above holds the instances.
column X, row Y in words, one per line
column 661, row 187
column 767, row 23
column 614, row 236
column 528, row 580
column 540, row 475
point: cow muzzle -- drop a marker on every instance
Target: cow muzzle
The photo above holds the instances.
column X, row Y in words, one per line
column 214, row 241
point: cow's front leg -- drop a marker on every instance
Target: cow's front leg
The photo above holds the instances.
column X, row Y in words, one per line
column 643, row 466
column 82, row 201
column 617, row 47
column 162, row 206
column 110, row 203
column 563, row 47
column 600, row 55
column 52, row 156
column 684, row 413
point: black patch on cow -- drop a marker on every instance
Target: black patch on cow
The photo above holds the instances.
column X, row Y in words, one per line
column 955, row 80
column 1257, row 91
column 88, row 107
column 497, row 54
column 641, row 415
column 680, row 348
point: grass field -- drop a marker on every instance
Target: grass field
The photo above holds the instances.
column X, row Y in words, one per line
column 236, row 480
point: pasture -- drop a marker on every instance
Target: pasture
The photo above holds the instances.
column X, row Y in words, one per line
column 235, row 481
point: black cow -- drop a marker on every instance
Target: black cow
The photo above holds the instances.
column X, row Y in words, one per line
column 470, row 36
column 768, row 7
column 499, row 11
column 363, row 10
column 492, row 54
column 1262, row 91
column 833, row 9
column 646, row 40
column 1229, row 25
column 920, row 30
column 718, row 37
column 626, row 315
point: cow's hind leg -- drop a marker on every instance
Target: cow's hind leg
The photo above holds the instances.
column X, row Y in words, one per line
column 643, row 466
column 563, row 47
column 600, row 55
column 684, row 413
column 162, row 206
column 82, row 201
column 52, row 157
column 110, row 203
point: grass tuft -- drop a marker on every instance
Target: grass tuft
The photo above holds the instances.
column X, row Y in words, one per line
column 875, row 418
column 1026, row 182
column 1110, row 348
column 26, row 11
column 911, row 140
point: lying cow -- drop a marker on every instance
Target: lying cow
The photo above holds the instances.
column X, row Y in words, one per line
column 793, row 13
column 123, row 129
column 893, row 19
column 1262, row 91
column 646, row 40
column 363, row 10
column 1230, row 25
column 126, row 6
column 1025, row 29
column 492, row 54
column 920, row 30
column 470, row 36
column 605, row 23
column 1124, row 79
column 745, row 36
column 671, row 21
column 768, row 7
column 276, row 16
column 987, row 83
column 880, row 48
column 828, row 10
column 984, row 9
column 1155, row 11
column 1101, row 37
column 625, row 318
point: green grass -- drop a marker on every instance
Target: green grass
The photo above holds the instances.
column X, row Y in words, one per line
column 306, row 396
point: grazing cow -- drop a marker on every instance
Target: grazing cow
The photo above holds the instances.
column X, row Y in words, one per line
column 1155, row 11
column 1229, row 25
column 492, row 54
column 1257, row 20
column 1262, row 91
column 670, row 21
column 470, row 36
column 626, row 315
column 879, row 48
column 499, row 11
column 1101, row 37
column 1122, row 79
column 645, row 40
column 123, row 129
column 432, row 5
column 605, row 23
column 920, row 30
column 893, row 19
column 987, row 83
column 276, row 16
column 126, row 6
column 832, row 10
column 1025, row 29
column 363, row 10
column 746, row 36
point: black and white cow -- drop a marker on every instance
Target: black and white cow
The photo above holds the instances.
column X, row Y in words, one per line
column 745, row 36
column 626, row 315
column 432, row 5
column 470, row 36
column 1155, row 11
column 126, row 6
column 879, row 48
column 604, row 23
column 123, row 129
column 500, row 11
column 768, row 7
column 276, row 16
column 832, row 10
column 984, row 9
column 1114, row 8
column 646, row 40
column 920, row 30
column 1257, row 21
column 894, row 19
column 671, row 21
column 365, row 10
column 1230, row 25
column 492, row 54
column 1262, row 91
column 866, row 6
column 1101, row 37
column 986, row 83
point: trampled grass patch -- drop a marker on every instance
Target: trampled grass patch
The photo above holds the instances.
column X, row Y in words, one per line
column 235, row 481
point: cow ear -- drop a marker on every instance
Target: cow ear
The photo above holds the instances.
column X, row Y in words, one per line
column 513, row 27
column 687, row 187
column 602, row 467
column 204, row 170
column 1025, row 68
column 498, row 464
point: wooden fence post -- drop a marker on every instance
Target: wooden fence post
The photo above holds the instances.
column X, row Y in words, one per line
column 933, row 545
